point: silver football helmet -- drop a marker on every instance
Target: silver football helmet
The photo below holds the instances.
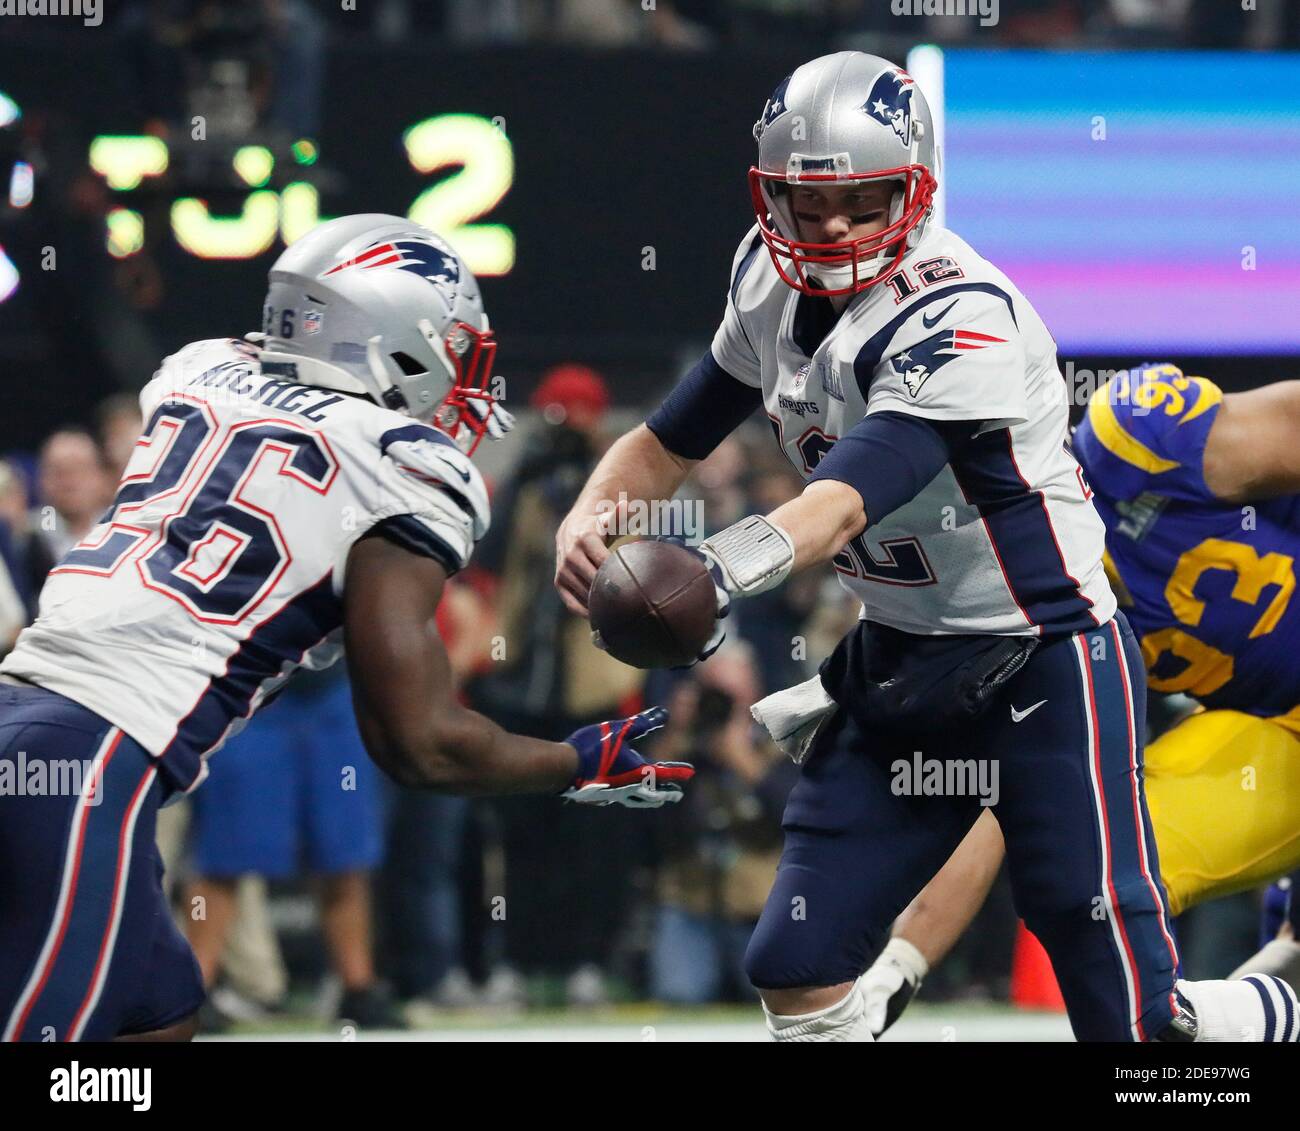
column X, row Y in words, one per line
column 843, row 118
column 381, row 306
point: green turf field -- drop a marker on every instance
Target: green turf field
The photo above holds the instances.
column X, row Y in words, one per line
column 659, row 1023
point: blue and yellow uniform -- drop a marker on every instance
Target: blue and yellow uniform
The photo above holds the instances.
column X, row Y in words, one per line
column 1209, row 587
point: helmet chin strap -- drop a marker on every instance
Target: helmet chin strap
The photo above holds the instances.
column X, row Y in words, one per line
column 841, row 276
column 439, row 347
column 385, row 391
column 314, row 372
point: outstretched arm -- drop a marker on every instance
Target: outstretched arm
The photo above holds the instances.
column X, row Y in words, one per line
column 416, row 730
column 820, row 521
column 1251, row 451
column 402, row 687
column 878, row 466
column 649, row 464
column 636, row 467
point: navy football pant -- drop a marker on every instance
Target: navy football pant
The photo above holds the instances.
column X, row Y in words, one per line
column 861, row 839
column 88, row 947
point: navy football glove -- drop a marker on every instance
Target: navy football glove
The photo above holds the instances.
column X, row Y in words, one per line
column 611, row 772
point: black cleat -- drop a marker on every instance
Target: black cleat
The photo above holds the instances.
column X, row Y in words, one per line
column 370, row 1008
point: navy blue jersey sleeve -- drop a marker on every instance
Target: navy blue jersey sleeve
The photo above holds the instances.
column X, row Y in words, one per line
column 888, row 457
column 408, row 532
column 703, row 409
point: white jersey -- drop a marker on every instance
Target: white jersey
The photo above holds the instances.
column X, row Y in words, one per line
column 1002, row 540
column 219, row 569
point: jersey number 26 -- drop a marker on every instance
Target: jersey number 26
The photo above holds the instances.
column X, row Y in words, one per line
column 192, row 513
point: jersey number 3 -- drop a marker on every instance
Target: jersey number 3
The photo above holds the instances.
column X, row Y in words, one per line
column 1205, row 668
column 195, row 509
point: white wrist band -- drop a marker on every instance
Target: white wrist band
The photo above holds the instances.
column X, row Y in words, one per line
column 905, row 957
column 755, row 555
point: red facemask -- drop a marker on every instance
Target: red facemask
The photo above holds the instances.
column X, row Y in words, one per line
column 472, row 353
column 794, row 259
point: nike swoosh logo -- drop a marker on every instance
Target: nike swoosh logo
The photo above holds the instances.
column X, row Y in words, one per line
column 1020, row 716
column 447, row 463
column 931, row 323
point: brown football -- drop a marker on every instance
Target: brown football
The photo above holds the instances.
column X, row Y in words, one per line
column 653, row 604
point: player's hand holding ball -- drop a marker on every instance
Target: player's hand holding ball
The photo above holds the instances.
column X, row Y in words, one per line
column 580, row 550
column 658, row 604
column 611, row 772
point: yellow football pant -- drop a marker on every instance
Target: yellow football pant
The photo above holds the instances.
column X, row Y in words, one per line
column 1224, row 793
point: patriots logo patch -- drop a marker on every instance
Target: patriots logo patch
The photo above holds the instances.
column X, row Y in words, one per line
column 425, row 259
column 890, row 103
column 773, row 109
column 917, row 364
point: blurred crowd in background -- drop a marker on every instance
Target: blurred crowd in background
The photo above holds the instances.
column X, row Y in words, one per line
column 297, row 865
column 421, row 901
column 701, row 25
column 306, row 880
column 709, row 24
column 255, row 75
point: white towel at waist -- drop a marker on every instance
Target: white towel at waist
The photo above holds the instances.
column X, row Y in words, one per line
column 794, row 716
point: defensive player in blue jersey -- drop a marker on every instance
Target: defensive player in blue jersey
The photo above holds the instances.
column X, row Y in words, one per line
column 918, row 392
column 1200, row 493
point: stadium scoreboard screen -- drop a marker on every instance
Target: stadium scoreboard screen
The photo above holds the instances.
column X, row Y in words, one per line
column 470, row 155
column 1143, row 202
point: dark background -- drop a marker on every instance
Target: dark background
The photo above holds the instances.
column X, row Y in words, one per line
column 615, row 151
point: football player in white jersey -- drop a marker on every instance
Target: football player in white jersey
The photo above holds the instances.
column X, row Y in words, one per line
column 302, row 489
column 918, row 392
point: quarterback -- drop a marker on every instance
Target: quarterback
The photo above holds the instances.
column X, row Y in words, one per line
column 917, row 391
column 290, row 494
column 1200, row 493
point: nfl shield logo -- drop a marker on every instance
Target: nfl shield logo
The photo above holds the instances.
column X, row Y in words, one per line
column 311, row 321
column 801, row 375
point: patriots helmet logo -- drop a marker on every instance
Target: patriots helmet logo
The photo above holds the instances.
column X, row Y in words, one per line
column 773, row 109
column 890, row 103
column 916, row 365
column 437, row 264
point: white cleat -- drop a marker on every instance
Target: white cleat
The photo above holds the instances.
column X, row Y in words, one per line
column 1254, row 1008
